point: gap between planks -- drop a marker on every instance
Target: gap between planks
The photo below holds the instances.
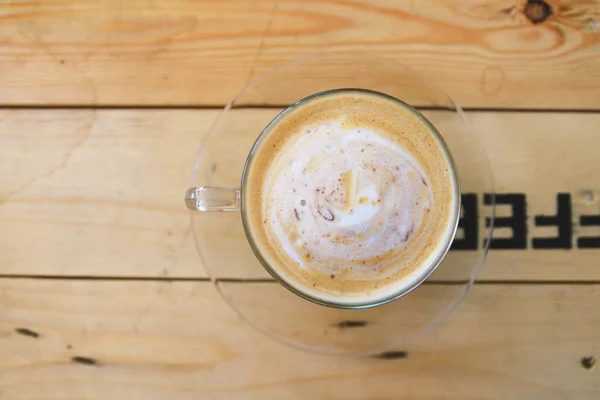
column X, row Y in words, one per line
column 274, row 106
column 266, row 280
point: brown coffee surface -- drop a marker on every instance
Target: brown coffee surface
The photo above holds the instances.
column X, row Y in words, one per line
column 350, row 197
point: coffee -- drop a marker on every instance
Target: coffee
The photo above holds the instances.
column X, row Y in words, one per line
column 350, row 197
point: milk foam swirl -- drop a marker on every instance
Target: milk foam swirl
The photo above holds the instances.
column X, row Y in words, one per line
column 346, row 201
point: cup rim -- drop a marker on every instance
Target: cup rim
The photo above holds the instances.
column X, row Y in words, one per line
column 404, row 291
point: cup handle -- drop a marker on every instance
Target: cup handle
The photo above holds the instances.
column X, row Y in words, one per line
column 206, row 198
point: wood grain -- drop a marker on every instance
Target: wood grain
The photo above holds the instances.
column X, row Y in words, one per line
column 116, row 52
column 99, row 193
column 180, row 341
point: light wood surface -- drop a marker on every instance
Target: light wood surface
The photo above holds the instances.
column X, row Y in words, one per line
column 486, row 53
column 102, row 292
column 89, row 192
column 179, row 341
column 99, row 193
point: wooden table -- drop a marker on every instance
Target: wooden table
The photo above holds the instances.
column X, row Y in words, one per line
column 104, row 105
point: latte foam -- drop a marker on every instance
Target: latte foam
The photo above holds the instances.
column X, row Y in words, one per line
column 350, row 197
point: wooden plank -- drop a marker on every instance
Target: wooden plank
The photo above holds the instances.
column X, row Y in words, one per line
column 487, row 54
column 99, row 193
column 179, row 340
column 534, row 156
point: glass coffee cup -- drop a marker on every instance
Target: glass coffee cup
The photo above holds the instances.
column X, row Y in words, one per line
column 253, row 287
column 218, row 199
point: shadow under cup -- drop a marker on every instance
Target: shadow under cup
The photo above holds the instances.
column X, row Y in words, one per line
column 240, row 198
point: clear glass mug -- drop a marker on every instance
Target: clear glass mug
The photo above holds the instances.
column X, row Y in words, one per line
column 226, row 251
column 219, row 199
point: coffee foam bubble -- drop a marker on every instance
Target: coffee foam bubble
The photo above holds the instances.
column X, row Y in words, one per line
column 347, row 210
